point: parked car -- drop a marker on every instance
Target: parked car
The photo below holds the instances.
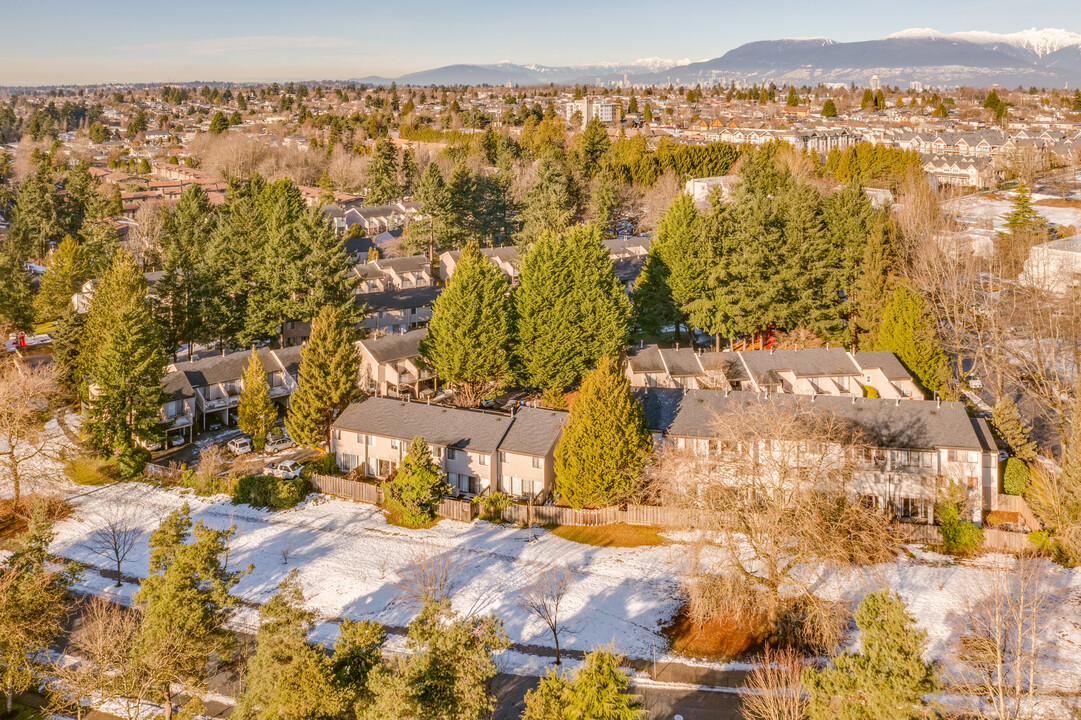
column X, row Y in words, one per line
column 214, row 425
column 286, row 469
column 279, row 442
column 240, row 445
column 177, row 440
column 975, row 383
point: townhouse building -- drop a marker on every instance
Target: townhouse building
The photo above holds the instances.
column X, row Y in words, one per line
column 479, row 451
column 903, row 455
column 397, row 293
column 208, row 389
column 808, row 371
column 392, row 364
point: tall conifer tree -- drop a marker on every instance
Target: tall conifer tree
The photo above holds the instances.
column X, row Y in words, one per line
column 256, row 412
column 327, row 378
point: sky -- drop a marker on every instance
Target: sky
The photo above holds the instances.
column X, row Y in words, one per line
column 81, row 41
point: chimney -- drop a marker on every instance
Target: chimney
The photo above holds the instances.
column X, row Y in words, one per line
column 813, row 396
column 771, row 351
column 897, row 402
column 938, row 404
column 853, row 399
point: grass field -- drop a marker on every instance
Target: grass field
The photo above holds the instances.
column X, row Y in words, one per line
column 618, row 535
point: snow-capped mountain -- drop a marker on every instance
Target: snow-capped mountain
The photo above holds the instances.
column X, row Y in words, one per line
column 1041, row 42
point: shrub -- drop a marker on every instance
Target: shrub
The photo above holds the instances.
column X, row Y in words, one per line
column 961, row 537
column 491, row 505
column 1015, row 481
column 870, row 392
column 1040, row 540
column 416, row 489
column 264, row 491
column 131, row 462
column 325, row 464
column 999, row 517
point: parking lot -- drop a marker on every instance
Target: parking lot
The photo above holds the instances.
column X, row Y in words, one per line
column 249, row 463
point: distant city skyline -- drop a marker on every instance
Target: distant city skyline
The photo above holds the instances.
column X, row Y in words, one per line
column 68, row 42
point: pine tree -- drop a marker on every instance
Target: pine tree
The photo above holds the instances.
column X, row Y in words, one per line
column 218, row 124
column 681, row 245
column 459, row 208
column 382, row 175
column 652, row 305
column 605, row 444
column 16, row 295
column 468, row 340
column 418, row 486
column 327, row 378
column 68, row 268
column 569, row 307
column 126, row 393
column 180, row 291
column 256, row 412
column 357, row 652
column 287, row 677
column 36, row 216
column 1025, row 228
column 829, row 108
column 871, row 291
column 868, row 99
column 228, row 269
column 186, row 601
column 279, row 271
column 549, row 204
column 598, row 691
column 33, row 605
column 593, row 146
column 409, row 172
column 432, row 195
column 67, row 340
column 909, row 331
column 887, row 680
column 1007, row 422
column 327, row 268
column 120, row 287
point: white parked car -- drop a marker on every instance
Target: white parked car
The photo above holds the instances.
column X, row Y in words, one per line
column 240, row 445
column 278, row 442
column 286, row 469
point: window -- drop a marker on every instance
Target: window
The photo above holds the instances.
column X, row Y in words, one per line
column 452, row 478
column 370, row 439
column 393, row 443
column 502, row 457
column 335, row 434
column 505, row 484
column 926, row 459
column 911, row 508
column 538, row 463
column 953, row 455
column 452, row 454
column 483, row 460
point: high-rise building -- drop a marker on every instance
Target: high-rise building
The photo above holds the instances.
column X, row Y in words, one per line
column 876, row 84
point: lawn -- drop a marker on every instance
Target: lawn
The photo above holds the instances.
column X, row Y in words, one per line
column 618, row 535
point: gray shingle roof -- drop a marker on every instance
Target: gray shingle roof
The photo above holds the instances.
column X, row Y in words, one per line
column 885, row 361
column 398, row 299
column 645, row 359
column 535, row 431
column 905, row 424
column 681, row 363
column 396, row 346
column 627, row 269
column 222, row 368
column 809, row 362
column 449, row 427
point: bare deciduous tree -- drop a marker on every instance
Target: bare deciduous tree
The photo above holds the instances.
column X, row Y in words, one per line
column 114, row 537
column 775, row 688
column 27, row 400
column 543, row 596
column 1006, row 638
column 430, row 577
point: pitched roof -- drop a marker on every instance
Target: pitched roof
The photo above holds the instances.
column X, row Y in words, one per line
column 395, row 346
column 809, row 362
column 445, row 426
column 535, row 431
column 885, row 361
column 903, row 424
column 398, row 299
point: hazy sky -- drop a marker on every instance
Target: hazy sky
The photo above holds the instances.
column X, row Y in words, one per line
column 82, row 41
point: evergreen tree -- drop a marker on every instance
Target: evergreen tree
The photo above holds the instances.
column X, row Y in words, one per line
column 593, row 146
column 887, row 680
column 228, row 271
column 67, row 340
column 1025, row 228
column 16, row 295
column 328, row 276
column 909, row 331
column 125, row 388
column 605, row 444
column 218, row 124
column 647, row 115
column 357, row 652
column 382, row 175
column 652, row 305
column 34, row 603
column 468, row 340
column 432, row 196
column 35, row 218
column 67, row 269
column 1008, row 424
column 598, row 691
column 185, row 600
column 868, row 99
column 288, row 678
column 256, row 412
column 549, row 205
column 459, row 220
column 829, row 108
column 448, row 674
column 327, row 378
column 279, row 271
column 181, row 289
column 409, row 172
column 681, row 245
column 418, row 486
column 871, row 291
column 570, row 309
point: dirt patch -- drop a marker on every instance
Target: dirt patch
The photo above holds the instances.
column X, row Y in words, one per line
column 617, row 535
column 717, row 639
column 1058, row 202
column 13, row 524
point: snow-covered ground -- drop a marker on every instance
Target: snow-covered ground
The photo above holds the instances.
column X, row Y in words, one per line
column 349, row 559
column 982, row 207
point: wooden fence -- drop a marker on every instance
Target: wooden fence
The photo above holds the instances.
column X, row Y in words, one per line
column 1017, row 504
column 999, row 540
column 371, row 493
column 633, row 515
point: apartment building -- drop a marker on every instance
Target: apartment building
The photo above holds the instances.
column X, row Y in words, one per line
column 392, row 364
column 479, row 451
column 607, row 111
column 808, row 371
column 905, row 452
